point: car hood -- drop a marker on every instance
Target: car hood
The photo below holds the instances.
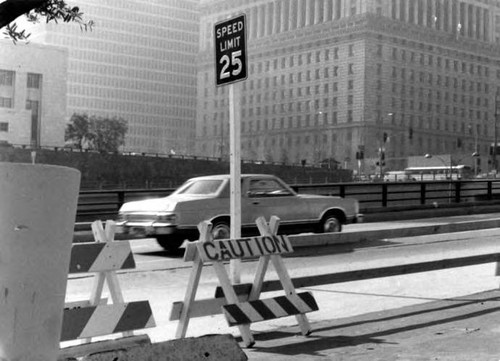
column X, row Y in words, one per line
column 165, row 204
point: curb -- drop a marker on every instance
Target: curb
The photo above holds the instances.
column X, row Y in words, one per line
column 204, row 348
column 328, row 239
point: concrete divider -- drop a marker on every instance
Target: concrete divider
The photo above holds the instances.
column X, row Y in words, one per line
column 37, row 215
column 326, row 239
column 204, row 348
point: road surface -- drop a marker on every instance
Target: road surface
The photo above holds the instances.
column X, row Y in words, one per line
column 161, row 278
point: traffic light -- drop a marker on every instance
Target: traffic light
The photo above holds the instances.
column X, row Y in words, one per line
column 382, row 156
column 410, row 133
column 385, row 136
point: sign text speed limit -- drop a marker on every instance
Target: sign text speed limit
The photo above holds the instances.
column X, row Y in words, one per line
column 230, row 50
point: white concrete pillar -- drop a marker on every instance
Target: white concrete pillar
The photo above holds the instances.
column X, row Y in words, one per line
column 465, row 25
column 292, row 15
column 307, row 12
column 261, row 21
column 270, row 18
column 300, row 13
column 253, row 30
column 451, row 28
column 318, row 14
column 457, row 18
column 416, row 9
column 441, row 14
column 474, row 22
column 433, row 14
column 277, row 17
column 327, row 10
column 285, row 15
column 424, row 13
column 407, row 10
column 489, row 36
column 398, row 9
column 37, row 220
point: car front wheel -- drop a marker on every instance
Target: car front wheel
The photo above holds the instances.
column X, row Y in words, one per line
column 169, row 243
column 331, row 223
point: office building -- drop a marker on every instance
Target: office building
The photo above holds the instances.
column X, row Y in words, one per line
column 32, row 94
column 138, row 63
column 345, row 79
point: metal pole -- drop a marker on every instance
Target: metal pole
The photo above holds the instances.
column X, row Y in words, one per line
column 495, row 131
column 235, row 171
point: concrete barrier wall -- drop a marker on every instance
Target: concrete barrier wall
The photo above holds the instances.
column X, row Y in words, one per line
column 113, row 170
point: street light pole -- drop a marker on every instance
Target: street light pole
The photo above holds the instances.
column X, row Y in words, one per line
column 495, row 131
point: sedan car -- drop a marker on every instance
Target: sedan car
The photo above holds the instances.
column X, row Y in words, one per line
column 174, row 218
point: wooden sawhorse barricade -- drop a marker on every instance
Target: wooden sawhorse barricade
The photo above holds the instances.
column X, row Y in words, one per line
column 249, row 308
column 93, row 317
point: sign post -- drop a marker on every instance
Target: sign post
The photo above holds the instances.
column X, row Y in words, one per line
column 231, row 67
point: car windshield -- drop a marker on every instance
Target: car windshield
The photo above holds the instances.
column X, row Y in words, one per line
column 200, row 187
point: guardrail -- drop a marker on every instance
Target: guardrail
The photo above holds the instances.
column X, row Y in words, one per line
column 98, row 203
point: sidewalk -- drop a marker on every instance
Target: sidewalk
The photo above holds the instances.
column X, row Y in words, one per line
column 459, row 329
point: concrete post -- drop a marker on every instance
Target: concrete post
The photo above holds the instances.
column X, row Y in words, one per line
column 37, row 216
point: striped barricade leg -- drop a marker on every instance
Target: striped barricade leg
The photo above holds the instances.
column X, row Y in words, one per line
column 85, row 322
column 269, row 309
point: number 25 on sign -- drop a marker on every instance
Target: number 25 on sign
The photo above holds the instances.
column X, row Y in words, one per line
column 230, row 50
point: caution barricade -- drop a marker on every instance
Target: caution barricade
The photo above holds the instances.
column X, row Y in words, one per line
column 94, row 317
column 244, row 309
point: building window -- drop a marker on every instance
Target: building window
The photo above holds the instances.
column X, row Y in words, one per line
column 5, row 102
column 6, row 77
column 34, row 80
column 4, row 127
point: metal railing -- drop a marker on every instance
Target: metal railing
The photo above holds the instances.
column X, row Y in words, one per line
column 402, row 195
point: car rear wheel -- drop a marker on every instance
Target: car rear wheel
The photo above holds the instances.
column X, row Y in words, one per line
column 169, row 243
column 221, row 230
column 330, row 223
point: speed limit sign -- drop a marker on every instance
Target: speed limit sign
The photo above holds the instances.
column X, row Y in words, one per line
column 230, row 51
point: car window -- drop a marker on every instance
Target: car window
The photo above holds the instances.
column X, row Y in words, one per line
column 200, row 187
column 267, row 188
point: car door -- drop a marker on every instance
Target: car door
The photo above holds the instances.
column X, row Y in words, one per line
column 267, row 196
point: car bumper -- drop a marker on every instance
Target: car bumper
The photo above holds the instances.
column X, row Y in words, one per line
column 145, row 228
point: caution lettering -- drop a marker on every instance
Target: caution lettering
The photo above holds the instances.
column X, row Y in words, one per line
column 223, row 250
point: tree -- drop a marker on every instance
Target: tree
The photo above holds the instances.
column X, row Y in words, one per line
column 109, row 133
column 34, row 10
column 79, row 132
column 98, row 133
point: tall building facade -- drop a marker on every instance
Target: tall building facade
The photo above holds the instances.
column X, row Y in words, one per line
column 32, row 94
column 347, row 79
column 137, row 63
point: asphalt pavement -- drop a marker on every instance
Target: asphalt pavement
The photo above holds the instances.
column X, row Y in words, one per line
column 461, row 328
column 458, row 329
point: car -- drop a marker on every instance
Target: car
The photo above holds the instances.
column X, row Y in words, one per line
column 174, row 218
